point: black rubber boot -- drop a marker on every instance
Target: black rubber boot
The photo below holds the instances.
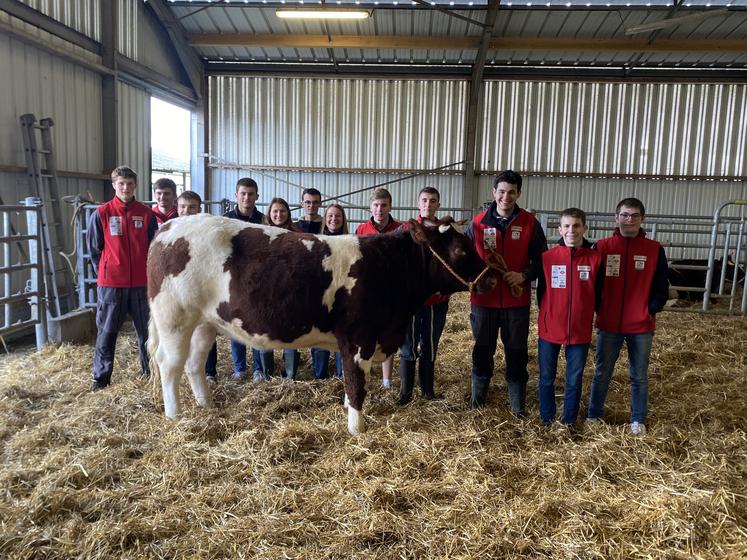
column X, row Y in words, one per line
column 425, row 373
column 480, row 387
column 406, row 381
column 517, row 397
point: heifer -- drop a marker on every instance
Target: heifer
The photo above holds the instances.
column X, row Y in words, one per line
column 691, row 273
column 271, row 288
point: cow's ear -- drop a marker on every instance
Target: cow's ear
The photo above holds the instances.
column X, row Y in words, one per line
column 417, row 231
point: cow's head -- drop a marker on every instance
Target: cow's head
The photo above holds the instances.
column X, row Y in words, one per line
column 455, row 265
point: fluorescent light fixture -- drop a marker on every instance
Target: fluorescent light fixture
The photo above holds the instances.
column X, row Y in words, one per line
column 310, row 13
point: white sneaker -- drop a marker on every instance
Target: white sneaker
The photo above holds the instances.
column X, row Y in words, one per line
column 593, row 421
column 258, row 376
column 637, row 429
column 386, row 383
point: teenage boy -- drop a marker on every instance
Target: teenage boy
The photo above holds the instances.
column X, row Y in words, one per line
column 568, row 291
column 635, row 290
column 188, row 203
column 310, row 221
column 245, row 210
column 164, row 191
column 118, row 235
column 421, row 340
column 381, row 221
column 505, row 230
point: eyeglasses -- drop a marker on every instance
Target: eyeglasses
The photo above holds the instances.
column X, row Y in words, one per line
column 312, row 202
column 631, row 217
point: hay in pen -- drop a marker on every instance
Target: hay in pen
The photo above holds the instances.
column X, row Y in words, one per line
column 271, row 472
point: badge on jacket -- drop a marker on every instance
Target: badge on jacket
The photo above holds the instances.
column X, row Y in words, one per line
column 558, row 276
column 137, row 221
column 613, row 265
column 489, row 241
column 583, row 272
column 639, row 262
column 515, row 232
column 115, row 225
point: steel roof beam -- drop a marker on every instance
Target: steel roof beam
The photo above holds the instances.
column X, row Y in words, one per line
column 572, row 44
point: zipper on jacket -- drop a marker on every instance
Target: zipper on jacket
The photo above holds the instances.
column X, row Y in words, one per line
column 570, row 292
column 624, row 266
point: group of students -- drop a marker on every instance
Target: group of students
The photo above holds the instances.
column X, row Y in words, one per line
column 622, row 280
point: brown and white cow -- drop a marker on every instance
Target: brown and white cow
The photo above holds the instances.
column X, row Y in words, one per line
column 271, row 288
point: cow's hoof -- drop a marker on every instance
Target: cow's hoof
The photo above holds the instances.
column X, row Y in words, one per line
column 205, row 402
column 356, row 424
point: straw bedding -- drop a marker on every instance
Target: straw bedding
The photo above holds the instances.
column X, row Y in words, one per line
column 271, row 472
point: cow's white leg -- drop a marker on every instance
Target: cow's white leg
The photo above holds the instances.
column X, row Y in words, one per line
column 202, row 339
column 355, row 390
column 171, row 356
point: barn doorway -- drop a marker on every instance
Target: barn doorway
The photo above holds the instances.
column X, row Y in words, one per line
column 170, row 143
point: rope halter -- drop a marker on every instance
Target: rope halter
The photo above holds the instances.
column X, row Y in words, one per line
column 470, row 285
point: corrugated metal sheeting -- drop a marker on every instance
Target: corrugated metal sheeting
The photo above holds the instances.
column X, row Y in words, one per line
column 133, row 122
column 369, row 124
column 612, row 128
column 127, row 36
column 388, row 125
column 39, row 83
column 82, row 15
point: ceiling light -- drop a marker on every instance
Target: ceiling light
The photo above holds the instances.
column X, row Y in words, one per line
column 309, row 13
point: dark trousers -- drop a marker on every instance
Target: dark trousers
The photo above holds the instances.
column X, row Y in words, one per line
column 421, row 339
column 112, row 308
column 513, row 325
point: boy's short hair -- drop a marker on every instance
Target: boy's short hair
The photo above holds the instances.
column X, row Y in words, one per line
column 311, row 191
column 631, row 203
column 574, row 213
column 381, row 193
column 124, row 172
column 430, row 190
column 510, row 177
column 165, row 183
column 247, row 182
column 190, row 195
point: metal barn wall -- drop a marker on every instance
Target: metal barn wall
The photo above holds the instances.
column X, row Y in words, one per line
column 39, row 83
column 616, row 128
column 127, row 34
column 355, row 133
column 82, row 15
column 153, row 48
column 133, row 122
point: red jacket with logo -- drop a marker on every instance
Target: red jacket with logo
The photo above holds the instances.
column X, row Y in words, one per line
column 369, row 228
column 513, row 245
column 566, row 312
column 162, row 218
column 118, row 238
column 629, row 265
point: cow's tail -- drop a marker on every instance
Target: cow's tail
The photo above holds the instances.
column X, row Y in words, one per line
column 155, row 372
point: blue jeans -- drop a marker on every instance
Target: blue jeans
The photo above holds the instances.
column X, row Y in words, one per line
column 320, row 363
column 424, row 333
column 238, row 351
column 575, row 360
column 290, row 362
column 608, row 349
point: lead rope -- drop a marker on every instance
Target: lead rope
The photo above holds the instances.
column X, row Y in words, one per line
column 470, row 285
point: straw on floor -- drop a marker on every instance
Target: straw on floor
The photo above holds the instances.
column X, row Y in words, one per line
column 271, row 472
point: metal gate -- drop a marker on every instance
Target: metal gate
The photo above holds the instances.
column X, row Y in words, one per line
column 22, row 259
